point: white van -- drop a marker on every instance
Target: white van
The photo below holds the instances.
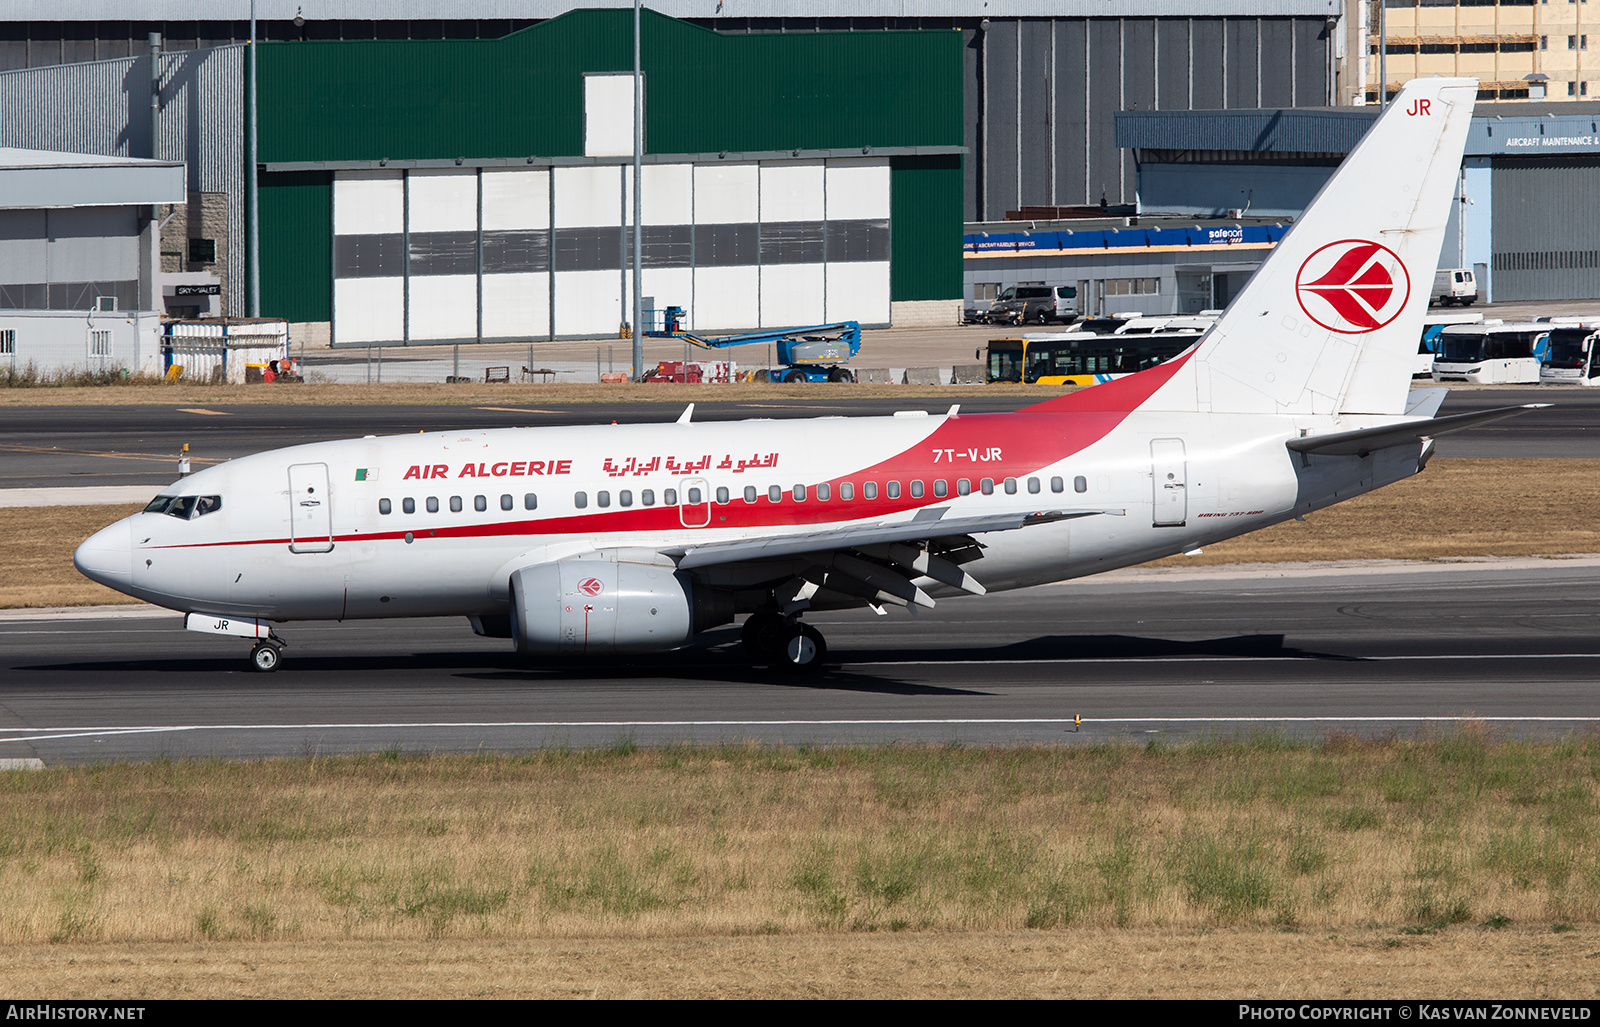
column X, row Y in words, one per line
column 1454, row 285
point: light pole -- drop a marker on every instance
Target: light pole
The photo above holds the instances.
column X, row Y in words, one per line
column 252, row 189
column 638, row 244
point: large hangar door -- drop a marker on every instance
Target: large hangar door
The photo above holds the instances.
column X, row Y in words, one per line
column 1544, row 249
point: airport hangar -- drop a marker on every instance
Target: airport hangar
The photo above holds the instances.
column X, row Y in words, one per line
column 1217, row 189
column 974, row 108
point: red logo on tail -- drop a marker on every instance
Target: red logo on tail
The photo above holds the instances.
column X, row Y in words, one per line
column 1353, row 286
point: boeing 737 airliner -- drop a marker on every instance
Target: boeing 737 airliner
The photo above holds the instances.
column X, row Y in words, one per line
column 634, row 538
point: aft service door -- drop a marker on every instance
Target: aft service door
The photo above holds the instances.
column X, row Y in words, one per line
column 310, row 509
column 1169, row 479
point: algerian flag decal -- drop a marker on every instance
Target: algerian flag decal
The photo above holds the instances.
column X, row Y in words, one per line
column 366, row 474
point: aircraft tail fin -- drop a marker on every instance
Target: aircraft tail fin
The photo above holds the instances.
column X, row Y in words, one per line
column 1331, row 321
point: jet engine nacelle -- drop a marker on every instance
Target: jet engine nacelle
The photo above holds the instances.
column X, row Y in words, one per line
column 608, row 602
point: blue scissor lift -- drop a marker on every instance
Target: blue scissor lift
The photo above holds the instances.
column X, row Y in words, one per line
column 810, row 353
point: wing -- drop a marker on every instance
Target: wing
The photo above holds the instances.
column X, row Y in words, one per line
column 870, row 563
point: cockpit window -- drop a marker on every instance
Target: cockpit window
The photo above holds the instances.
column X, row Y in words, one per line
column 184, row 507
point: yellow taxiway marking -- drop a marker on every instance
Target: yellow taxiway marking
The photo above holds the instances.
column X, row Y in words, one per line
column 518, row 410
column 203, row 410
column 108, row 456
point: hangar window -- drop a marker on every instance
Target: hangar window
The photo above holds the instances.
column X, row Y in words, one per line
column 433, row 504
column 8, row 342
column 530, row 502
column 385, row 507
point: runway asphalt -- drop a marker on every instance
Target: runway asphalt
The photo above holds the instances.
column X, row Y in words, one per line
column 55, row 447
column 1137, row 654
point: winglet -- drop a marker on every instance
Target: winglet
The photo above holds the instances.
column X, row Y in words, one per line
column 688, row 412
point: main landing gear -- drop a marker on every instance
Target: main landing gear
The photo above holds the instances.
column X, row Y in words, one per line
column 783, row 642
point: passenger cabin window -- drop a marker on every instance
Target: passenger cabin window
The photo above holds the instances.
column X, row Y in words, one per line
column 530, row 501
column 669, row 497
column 625, row 498
column 892, row 490
column 648, row 497
column 506, row 502
column 455, row 504
column 722, row 495
column 1033, row 485
column 603, row 498
column 916, row 489
column 408, row 505
column 824, row 493
column 580, row 500
column 1057, row 485
column 940, row 489
column 385, row 507
column 799, row 493
column 986, row 486
column 963, row 487
column 750, row 493
column 1080, row 484
column 847, row 491
column 433, row 504
column 480, row 503
column 1011, row 486
column 869, row 490
column 775, row 494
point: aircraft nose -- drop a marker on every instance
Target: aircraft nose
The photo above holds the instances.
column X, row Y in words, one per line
column 107, row 556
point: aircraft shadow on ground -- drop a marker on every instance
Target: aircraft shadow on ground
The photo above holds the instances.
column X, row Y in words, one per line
column 717, row 658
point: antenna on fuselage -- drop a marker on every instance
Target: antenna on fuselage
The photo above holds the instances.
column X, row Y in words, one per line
column 687, row 413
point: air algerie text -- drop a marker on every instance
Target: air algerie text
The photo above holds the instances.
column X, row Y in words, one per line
column 502, row 469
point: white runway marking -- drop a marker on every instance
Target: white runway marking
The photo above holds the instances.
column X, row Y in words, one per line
column 57, row 734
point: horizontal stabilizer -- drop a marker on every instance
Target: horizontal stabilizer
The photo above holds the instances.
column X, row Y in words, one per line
column 1365, row 440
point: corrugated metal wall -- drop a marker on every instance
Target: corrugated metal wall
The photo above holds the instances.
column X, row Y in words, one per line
column 1542, row 251
column 1041, row 94
column 104, row 108
column 523, row 95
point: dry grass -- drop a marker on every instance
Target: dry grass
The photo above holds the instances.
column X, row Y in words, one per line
column 1226, row 963
column 38, row 566
column 1456, row 508
column 474, row 394
column 1393, row 840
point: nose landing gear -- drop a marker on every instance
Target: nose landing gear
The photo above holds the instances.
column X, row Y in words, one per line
column 265, row 656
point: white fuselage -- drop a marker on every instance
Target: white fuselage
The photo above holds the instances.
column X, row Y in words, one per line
column 665, row 487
